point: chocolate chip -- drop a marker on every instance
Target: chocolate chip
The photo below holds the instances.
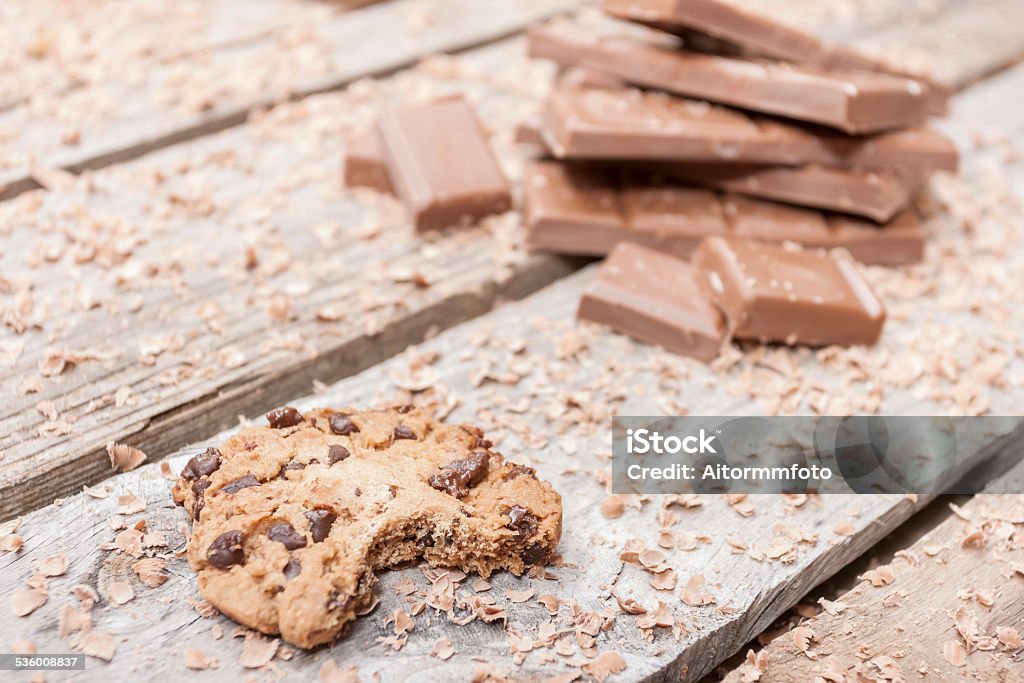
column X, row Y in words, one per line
column 226, row 550
column 403, row 432
column 284, row 417
column 336, row 453
column 521, row 521
column 534, row 554
column 320, row 522
column 520, row 471
column 403, row 409
column 202, row 465
column 335, row 601
column 290, row 467
column 286, row 534
column 240, row 483
column 292, row 569
column 458, row 477
column 342, row 424
column 199, row 487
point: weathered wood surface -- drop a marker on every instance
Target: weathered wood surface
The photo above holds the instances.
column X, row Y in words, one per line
column 316, row 47
column 131, row 101
column 544, row 388
column 958, row 591
column 144, row 268
column 173, row 336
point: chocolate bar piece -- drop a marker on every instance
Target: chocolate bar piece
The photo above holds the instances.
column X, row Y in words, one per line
column 441, row 164
column 585, row 210
column 877, row 195
column 851, row 101
column 898, row 242
column 654, row 298
column 365, row 165
column 756, row 34
column 610, row 123
column 773, row 294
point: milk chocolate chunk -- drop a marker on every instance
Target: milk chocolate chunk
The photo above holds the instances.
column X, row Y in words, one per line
column 851, row 101
column 365, row 165
column 796, row 297
column 624, row 123
column 441, row 164
column 655, row 298
column 756, row 34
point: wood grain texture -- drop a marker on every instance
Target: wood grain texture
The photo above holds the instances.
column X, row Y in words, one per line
column 314, row 49
column 218, row 76
column 948, row 580
column 543, row 388
column 224, row 276
column 159, row 307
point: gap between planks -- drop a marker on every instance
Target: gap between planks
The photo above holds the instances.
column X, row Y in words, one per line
column 903, row 628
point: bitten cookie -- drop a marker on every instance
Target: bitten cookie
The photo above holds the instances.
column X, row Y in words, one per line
column 292, row 520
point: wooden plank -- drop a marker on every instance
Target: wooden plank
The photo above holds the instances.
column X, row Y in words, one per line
column 544, row 388
column 169, row 233
column 948, row 580
column 114, row 120
column 108, row 40
column 207, row 334
column 962, row 44
column 203, row 91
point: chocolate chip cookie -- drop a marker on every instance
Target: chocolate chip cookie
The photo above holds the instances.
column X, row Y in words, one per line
column 292, row 520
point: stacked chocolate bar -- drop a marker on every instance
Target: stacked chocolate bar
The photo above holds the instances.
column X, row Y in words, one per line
column 722, row 122
column 713, row 158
